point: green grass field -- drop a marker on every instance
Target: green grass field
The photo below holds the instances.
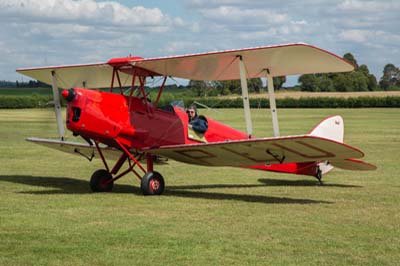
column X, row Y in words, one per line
column 207, row 216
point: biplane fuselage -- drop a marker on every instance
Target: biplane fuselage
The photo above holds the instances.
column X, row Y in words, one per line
column 135, row 122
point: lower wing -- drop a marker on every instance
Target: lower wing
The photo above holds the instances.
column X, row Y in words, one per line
column 77, row 148
column 250, row 152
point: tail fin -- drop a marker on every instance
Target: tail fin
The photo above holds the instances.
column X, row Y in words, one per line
column 330, row 128
column 333, row 128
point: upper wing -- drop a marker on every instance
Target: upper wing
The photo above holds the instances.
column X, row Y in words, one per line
column 280, row 60
column 303, row 148
column 89, row 76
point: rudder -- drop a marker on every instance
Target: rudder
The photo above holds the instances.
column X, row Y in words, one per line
column 330, row 128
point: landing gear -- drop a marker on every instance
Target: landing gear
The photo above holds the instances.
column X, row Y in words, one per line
column 101, row 181
column 152, row 183
column 318, row 175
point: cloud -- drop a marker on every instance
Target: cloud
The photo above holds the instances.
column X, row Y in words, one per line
column 41, row 32
column 368, row 6
column 354, row 35
column 230, row 14
column 87, row 12
column 56, row 32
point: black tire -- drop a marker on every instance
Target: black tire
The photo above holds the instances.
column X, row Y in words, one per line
column 100, row 181
column 152, row 184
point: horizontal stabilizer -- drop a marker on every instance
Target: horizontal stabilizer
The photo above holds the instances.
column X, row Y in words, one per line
column 353, row 164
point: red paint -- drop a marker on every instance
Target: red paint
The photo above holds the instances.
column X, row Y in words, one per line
column 107, row 118
column 123, row 60
column 289, row 168
column 64, row 94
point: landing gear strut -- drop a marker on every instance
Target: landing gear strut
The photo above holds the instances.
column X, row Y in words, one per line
column 318, row 175
column 151, row 183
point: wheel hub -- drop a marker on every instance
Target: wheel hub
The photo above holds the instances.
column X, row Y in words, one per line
column 154, row 184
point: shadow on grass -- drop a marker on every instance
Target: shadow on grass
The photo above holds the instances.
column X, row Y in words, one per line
column 301, row 183
column 240, row 197
column 65, row 185
column 62, row 185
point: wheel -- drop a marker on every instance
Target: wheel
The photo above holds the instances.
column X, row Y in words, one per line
column 101, row 181
column 152, row 184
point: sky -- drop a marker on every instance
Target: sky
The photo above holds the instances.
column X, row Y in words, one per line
column 59, row 32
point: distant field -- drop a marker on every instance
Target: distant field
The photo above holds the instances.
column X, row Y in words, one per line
column 207, row 216
column 304, row 94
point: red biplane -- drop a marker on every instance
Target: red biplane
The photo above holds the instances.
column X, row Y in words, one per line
column 130, row 128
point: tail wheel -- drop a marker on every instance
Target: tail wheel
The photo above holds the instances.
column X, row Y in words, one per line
column 101, row 181
column 152, row 184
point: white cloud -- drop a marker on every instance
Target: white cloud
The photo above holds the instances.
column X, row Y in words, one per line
column 35, row 33
column 376, row 39
column 355, row 35
column 368, row 6
column 87, row 12
column 230, row 14
column 179, row 47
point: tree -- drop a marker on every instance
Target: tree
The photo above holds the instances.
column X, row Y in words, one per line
column 278, row 82
column 325, row 83
column 308, row 82
column 371, row 80
column 255, row 85
column 390, row 78
column 234, row 86
column 358, row 80
column 342, row 83
column 349, row 57
column 199, row 87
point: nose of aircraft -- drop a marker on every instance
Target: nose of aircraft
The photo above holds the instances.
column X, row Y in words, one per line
column 68, row 95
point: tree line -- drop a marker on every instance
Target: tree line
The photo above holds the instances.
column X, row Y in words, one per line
column 358, row 80
column 22, row 84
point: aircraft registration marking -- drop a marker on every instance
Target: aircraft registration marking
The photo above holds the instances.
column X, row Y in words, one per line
column 324, row 154
column 222, row 154
column 197, row 154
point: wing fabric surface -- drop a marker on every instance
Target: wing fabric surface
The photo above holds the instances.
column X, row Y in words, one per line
column 303, row 148
column 280, row 60
column 88, row 76
column 83, row 149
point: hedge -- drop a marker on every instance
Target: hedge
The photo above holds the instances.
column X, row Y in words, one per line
column 310, row 102
column 31, row 101
column 40, row 101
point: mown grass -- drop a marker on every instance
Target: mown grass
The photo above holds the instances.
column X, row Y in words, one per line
column 207, row 216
